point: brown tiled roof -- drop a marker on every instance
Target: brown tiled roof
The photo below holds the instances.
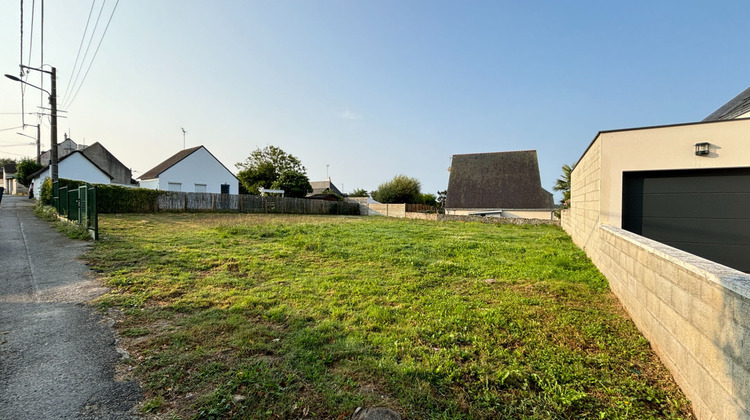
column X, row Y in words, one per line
column 504, row 180
column 158, row 169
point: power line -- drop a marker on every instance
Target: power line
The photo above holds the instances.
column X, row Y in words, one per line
column 83, row 38
column 41, row 92
column 11, row 128
column 31, row 38
column 88, row 47
column 94, row 57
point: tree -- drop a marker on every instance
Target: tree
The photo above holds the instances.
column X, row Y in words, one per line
column 401, row 189
column 428, row 199
column 563, row 184
column 24, row 168
column 359, row 192
column 293, row 183
column 5, row 161
column 265, row 166
column 262, row 176
column 442, row 195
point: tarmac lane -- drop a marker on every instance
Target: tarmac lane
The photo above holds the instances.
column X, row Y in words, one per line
column 57, row 353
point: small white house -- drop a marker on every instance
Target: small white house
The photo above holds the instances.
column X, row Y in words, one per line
column 75, row 166
column 191, row 170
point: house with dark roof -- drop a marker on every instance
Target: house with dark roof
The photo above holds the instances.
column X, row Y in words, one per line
column 99, row 154
column 320, row 187
column 106, row 169
column 191, row 170
column 9, row 182
column 75, row 166
column 502, row 184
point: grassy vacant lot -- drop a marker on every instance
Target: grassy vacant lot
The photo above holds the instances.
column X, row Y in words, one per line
column 265, row 316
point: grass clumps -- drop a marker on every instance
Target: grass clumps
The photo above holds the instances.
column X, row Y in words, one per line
column 70, row 229
column 267, row 316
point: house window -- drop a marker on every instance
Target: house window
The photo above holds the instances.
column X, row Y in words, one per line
column 200, row 188
column 225, row 188
column 175, row 186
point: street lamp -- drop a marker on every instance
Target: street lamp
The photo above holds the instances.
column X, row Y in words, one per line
column 53, row 116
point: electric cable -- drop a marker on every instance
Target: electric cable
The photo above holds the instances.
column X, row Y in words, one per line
column 88, row 47
column 83, row 38
column 94, row 57
column 23, row 121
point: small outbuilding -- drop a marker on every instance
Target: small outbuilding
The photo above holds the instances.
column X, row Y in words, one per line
column 191, row 170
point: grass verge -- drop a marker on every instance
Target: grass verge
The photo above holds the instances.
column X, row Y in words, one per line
column 67, row 228
column 264, row 316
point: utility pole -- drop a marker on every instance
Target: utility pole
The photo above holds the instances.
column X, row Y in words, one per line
column 53, row 116
column 53, row 125
column 38, row 145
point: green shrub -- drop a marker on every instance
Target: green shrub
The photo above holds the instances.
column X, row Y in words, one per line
column 46, row 191
column 116, row 199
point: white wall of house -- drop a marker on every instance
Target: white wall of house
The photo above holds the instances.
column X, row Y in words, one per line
column 74, row 167
column 546, row 214
column 199, row 172
column 151, row 184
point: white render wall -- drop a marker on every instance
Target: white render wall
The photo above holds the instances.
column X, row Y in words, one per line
column 198, row 168
column 74, row 167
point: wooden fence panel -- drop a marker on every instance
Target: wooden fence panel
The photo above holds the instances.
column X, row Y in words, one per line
column 172, row 201
column 199, row 201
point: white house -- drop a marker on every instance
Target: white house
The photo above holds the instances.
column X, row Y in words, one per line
column 75, row 166
column 191, row 170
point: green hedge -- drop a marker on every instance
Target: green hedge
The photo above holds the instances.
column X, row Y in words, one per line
column 117, row 199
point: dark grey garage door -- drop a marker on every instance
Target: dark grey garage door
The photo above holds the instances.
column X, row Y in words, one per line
column 705, row 212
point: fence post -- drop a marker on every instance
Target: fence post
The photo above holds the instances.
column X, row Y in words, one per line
column 93, row 213
column 56, row 195
column 82, row 207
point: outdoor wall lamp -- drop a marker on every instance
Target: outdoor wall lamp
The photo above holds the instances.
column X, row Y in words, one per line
column 702, row 149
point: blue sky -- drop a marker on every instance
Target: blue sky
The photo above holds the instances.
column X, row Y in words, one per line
column 375, row 88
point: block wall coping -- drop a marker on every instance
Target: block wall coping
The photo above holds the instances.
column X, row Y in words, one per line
column 721, row 275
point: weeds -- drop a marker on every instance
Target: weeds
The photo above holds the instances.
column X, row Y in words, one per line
column 70, row 229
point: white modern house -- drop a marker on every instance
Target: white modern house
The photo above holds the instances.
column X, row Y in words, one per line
column 191, row 170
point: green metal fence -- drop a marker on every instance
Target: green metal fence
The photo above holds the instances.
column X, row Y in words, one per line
column 77, row 204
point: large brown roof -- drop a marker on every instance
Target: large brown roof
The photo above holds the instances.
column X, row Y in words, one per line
column 504, row 180
column 158, row 169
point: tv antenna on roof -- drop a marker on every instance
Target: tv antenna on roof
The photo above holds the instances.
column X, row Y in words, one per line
column 183, row 137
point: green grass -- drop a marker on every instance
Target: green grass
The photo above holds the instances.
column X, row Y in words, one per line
column 263, row 316
column 70, row 229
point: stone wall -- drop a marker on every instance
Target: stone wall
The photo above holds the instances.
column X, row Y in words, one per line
column 695, row 313
column 497, row 220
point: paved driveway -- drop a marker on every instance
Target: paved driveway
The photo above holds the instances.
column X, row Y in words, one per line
column 57, row 354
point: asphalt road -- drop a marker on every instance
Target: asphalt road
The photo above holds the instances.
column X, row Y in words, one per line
column 57, row 354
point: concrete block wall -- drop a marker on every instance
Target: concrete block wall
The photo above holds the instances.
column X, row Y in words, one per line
column 390, row 210
column 695, row 313
column 583, row 215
